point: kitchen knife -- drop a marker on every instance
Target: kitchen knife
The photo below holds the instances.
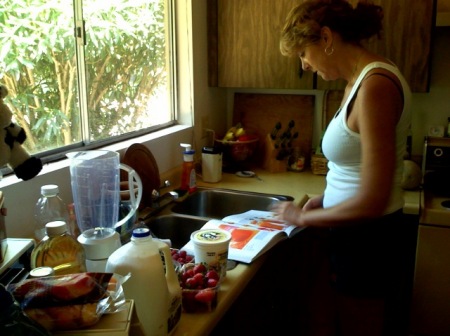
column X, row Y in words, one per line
column 280, row 140
column 275, row 130
column 295, row 136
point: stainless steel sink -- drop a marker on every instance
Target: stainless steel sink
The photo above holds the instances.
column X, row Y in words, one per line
column 175, row 227
column 218, row 203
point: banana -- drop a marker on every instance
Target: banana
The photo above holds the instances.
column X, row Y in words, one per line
column 234, row 132
column 229, row 136
column 239, row 132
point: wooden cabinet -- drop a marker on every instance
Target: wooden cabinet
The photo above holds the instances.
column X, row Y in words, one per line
column 246, row 53
column 406, row 40
column 244, row 44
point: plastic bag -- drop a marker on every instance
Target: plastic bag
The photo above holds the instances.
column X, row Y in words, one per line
column 12, row 319
column 68, row 302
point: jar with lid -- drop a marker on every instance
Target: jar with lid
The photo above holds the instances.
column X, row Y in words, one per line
column 296, row 161
column 59, row 250
column 49, row 208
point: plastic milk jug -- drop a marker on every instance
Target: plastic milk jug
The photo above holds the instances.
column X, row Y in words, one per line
column 149, row 284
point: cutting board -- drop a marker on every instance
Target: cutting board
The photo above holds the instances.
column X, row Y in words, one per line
column 259, row 113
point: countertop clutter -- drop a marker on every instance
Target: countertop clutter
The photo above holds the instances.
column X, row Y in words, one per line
column 294, row 184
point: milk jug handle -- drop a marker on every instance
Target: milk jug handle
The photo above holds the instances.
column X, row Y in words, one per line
column 171, row 275
column 134, row 200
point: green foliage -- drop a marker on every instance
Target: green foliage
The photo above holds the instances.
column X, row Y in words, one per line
column 125, row 58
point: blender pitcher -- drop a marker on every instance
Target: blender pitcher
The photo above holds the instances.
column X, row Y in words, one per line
column 95, row 180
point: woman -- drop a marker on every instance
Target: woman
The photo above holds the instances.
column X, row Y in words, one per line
column 365, row 144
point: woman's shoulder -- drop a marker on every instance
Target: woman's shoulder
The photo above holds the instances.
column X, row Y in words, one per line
column 380, row 71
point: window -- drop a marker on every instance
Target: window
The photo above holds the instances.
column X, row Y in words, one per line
column 85, row 73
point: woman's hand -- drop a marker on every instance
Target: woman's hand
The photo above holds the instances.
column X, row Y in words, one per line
column 288, row 211
column 314, row 203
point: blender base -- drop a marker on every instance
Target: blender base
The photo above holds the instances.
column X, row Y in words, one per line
column 98, row 245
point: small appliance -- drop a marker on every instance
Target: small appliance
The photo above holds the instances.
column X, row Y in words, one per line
column 95, row 181
column 431, row 293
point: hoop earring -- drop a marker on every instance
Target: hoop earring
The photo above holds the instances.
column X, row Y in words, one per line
column 328, row 51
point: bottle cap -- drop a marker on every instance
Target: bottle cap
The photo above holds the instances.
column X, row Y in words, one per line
column 211, row 150
column 55, row 228
column 49, row 190
column 187, row 149
column 43, row 271
column 141, row 232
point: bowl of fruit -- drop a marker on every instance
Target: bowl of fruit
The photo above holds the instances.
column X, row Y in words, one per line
column 238, row 144
column 200, row 287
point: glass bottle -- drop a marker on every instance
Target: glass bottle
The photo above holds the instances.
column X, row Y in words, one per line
column 59, row 250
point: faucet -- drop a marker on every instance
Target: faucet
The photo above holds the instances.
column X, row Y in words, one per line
column 159, row 201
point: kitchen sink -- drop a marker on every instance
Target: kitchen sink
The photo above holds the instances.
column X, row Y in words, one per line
column 177, row 228
column 218, row 203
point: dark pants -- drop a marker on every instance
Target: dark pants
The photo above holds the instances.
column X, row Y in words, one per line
column 371, row 260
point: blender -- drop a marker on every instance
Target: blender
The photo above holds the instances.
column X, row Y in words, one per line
column 95, row 181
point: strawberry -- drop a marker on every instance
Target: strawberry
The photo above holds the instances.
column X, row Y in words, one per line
column 191, row 283
column 199, row 278
column 199, row 268
column 206, row 295
column 212, row 274
column 211, row 283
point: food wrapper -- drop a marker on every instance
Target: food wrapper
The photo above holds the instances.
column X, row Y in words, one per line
column 68, row 302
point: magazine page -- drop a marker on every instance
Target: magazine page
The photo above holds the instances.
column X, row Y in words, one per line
column 248, row 240
column 262, row 220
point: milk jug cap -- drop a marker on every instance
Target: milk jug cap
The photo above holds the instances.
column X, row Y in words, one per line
column 55, row 228
column 141, row 232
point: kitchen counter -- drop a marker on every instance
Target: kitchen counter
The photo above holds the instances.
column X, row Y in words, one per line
column 295, row 184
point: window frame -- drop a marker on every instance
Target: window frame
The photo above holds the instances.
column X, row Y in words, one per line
column 57, row 154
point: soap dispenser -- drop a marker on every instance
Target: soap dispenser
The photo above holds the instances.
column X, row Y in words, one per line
column 188, row 175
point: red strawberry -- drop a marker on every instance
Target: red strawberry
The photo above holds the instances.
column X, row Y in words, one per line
column 205, row 295
column 211, row 283
column 212, row 274
column 199, row 268
column 191, row 283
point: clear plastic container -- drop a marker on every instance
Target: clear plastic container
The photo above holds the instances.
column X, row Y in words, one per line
column 59, row 250
column 49, row 208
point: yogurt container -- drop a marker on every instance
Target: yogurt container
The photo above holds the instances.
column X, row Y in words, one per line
column 211, row 248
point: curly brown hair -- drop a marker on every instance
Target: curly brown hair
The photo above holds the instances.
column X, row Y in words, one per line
column 304, row 22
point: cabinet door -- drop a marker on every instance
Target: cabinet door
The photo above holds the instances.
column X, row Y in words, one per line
column 248, row 53
column 406, row 40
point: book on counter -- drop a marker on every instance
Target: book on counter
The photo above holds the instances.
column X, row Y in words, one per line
column 253, row 233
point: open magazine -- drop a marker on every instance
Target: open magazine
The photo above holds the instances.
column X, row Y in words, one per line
column 252, row 233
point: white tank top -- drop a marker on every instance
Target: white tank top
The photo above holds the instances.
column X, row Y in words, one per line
column 342, row 147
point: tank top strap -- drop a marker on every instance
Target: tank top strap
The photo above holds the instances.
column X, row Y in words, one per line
column 363, row 74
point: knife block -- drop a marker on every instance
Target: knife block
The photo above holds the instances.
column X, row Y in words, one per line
column 270, row 162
